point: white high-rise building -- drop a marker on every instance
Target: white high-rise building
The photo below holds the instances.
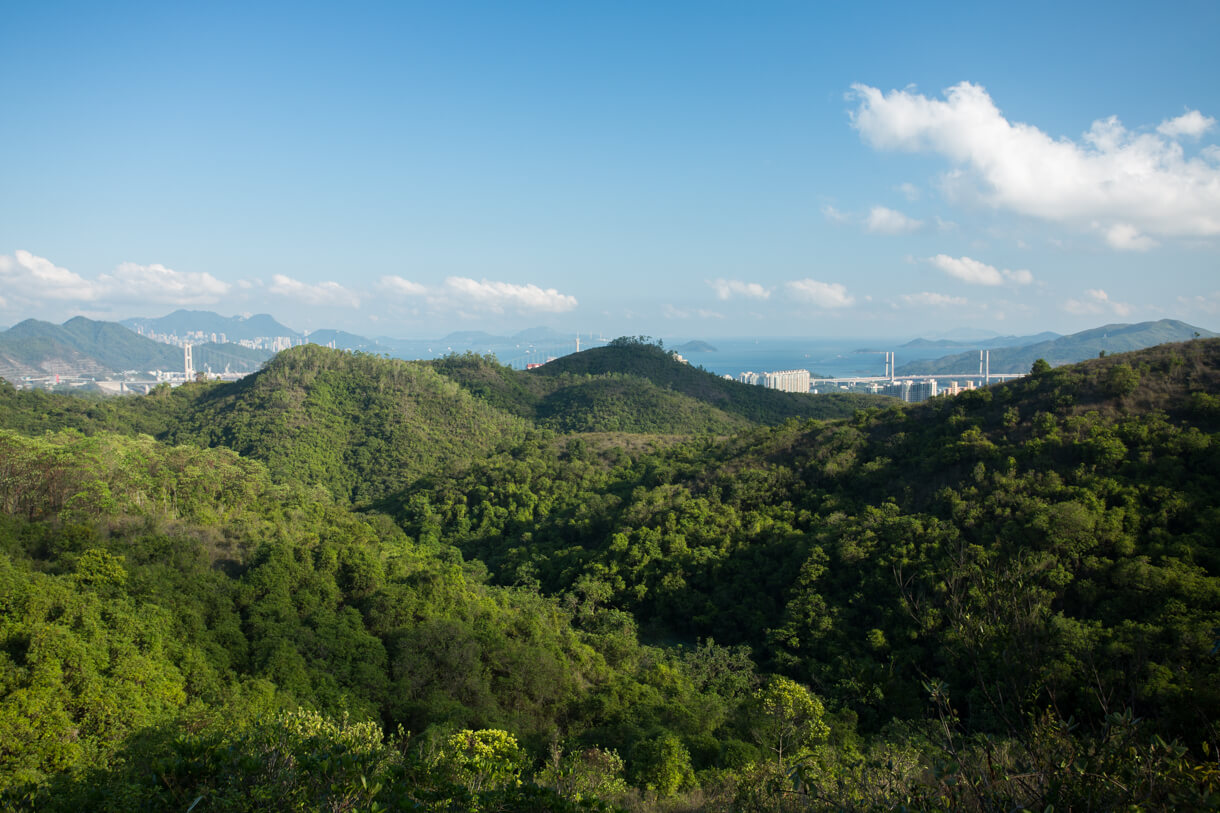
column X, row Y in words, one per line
column 787, row 380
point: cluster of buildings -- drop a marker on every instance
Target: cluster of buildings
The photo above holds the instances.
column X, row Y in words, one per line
column 193, row 337
column 911, row 390
column 784, row 380
column 914, row 391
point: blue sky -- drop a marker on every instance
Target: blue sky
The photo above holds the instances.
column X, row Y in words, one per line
column 691, row 169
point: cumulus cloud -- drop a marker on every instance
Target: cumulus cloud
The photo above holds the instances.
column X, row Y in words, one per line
column 404, row 287
column 834, row 215
column 31, row 280
column 933, row 299
column 889, row 221
column 729, row 288
column 1191, row 123
column 498, row 296
column 30, row 277
column 822, row 294
column 1096, row 301
column 974, row 272
column 909, row 191
column 132, row 282
column 322, row 293
column 1111, row 176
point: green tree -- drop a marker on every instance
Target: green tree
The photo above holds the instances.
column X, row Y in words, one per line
column 662, row 765
column 482, row 760
column 789, row 720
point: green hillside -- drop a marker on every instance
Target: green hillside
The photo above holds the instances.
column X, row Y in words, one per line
column 756, row 404
column 1066, row 349
column 359, row 425
column 989, row 544
column 625, row 403
column 1004, row 600
column 637, row 386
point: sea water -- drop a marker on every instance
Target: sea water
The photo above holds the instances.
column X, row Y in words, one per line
column 824, row 358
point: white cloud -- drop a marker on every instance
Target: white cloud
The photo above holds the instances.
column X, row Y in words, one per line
column 729, row 288
column 928, row 298
column 974, row 272
column 132, row 282
column 1191, row 123
column 834, row 215
column 909, row 190
column 497, row 296
column 32, row 280
column 404, row 287
column 1111, row 176
column 466, row 296
column 888, row 221
column 1096, row 301
column 1126, row 237
column 30, row 277
column 822, row 294
column 322, row 293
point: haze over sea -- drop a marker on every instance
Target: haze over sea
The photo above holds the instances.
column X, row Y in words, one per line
column 824, row 356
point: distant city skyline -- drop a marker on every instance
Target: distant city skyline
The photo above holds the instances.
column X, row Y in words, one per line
column 690, row 169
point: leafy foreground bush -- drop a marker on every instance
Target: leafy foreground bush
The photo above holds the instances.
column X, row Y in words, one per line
column 305, row 761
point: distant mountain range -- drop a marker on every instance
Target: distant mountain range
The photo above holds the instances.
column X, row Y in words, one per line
column 1061, row 349
column 87, row 348
column 985, row 343
column 235, row 328
column 185, row 323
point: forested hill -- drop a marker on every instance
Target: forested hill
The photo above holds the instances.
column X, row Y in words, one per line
column 1086, row 344
column 1048, row 543
column 1003, row 600
column 645, row 360
column 363, row 426
column 633, row 385
column 359, row 425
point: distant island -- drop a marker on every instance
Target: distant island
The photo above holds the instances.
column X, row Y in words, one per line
column 695, row 347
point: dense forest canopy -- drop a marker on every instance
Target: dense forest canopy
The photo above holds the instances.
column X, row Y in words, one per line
column 353, row 583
